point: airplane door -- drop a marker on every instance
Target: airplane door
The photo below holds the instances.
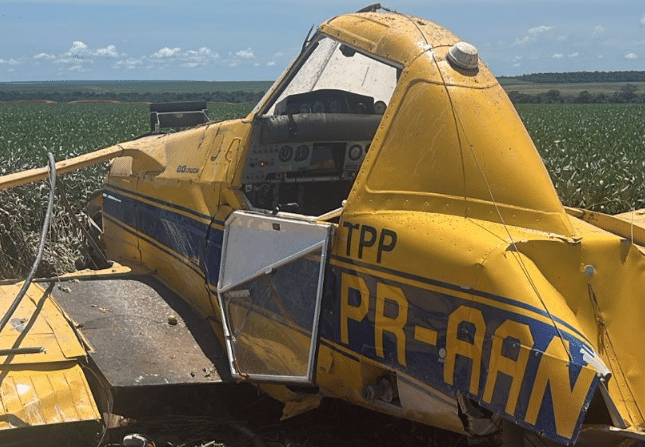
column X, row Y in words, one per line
column 270, row 289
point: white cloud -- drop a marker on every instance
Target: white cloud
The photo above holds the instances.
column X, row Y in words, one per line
column 78, row 68
column 45, row 56
column 573, row 54
column 631, row 56
column 199, row 57
column 128, row 64
column 78, row 56
column 271, row 64
column 201, row 52
column 109, row 51
column 558, row 56
column 77, row 49
column 165, row 53
column 11, row 61
column 643, row 20
column 535, row 31
column 245, row 54
column 73, row 61
column 534, row 34
column 599, row 29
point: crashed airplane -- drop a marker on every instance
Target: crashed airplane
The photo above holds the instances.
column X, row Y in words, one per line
column 379, row 229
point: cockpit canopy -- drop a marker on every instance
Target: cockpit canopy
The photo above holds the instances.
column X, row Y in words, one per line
column 440, row 132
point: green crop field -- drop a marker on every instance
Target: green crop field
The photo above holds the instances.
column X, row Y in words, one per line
column 594, row 153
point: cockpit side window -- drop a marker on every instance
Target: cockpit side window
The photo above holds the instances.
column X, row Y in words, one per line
column 311, row 140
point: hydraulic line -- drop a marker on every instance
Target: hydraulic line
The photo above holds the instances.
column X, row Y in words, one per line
column 41, row 245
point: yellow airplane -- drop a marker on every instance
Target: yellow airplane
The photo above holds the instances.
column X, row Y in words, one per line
column 381, row 229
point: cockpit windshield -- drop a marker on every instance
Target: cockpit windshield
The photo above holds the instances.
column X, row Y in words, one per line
column 333, row 66
column 311, row 138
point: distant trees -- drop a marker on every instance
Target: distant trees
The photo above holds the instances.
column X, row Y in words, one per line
column 626, row 91
column 70, row 95
column 625, row 94
column 580, row 77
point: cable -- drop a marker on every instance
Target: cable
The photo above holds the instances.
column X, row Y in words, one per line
column 41, row 245
column 515, row 251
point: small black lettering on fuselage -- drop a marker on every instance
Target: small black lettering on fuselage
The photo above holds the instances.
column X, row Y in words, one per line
column 368, row 237
column 183, row 169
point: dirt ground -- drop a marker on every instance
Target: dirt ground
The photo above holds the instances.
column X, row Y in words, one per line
column 242, row 417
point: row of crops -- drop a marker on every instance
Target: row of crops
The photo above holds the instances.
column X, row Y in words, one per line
column 595, row 154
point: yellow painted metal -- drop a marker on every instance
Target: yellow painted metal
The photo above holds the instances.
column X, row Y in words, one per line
column 114, row 271
column 193, row 170
column 476, row 208
column 456, row 136
column 52, row 394
column 48, row 387
column 74, row 164
column 62, row 167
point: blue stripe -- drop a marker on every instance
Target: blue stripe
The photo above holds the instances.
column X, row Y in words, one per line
column 116, row 188
column 431, row 310
column 163, row 248
column 460, row 289
column 190, row 239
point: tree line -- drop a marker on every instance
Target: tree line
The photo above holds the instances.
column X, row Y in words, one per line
column 79, row 95
column 625, row 94
column 577, row 77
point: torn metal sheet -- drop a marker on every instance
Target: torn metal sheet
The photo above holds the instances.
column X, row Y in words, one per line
column 41, row 370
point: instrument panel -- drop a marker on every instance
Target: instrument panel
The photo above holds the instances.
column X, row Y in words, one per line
column 304, row 161
column 321, row 135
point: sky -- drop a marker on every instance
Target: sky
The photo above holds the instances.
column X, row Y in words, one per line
column 215, row 40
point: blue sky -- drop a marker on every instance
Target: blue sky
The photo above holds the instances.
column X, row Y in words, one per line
column 255, row 39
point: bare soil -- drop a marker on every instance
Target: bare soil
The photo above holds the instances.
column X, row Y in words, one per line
column 245, row 418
